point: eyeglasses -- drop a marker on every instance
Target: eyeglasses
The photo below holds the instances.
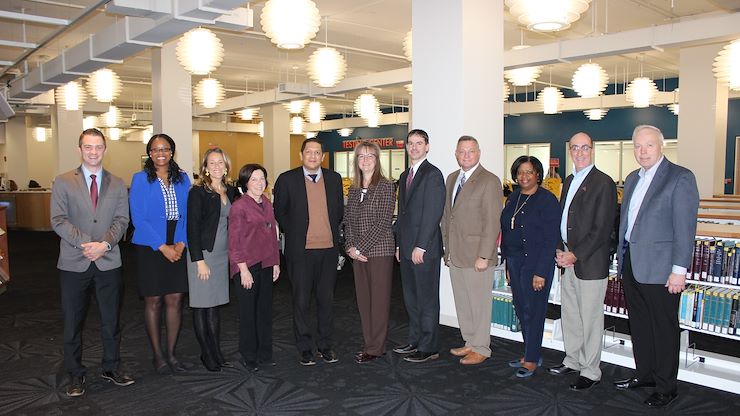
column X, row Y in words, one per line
column 367, row 156
column 525, row 173
column 583, row 148
column 161, row 150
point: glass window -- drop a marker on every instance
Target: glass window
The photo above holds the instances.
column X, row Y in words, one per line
column 340, row 163
column 512, row 151
column 398, row 163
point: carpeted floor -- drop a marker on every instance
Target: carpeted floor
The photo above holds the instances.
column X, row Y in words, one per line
column 32, row 381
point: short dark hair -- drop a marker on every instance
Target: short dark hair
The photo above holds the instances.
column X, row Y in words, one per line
column 466, row 138
column 173, row 170
column 246, row 172
column 536, row 164
column 311, row 140
column 91, row 132
column 418, row 132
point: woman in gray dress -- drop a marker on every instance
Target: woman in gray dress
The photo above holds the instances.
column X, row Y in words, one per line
column 209, row 202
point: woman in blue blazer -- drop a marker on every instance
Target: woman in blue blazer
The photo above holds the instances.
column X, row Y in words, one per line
column 158, row 201
column 530, row 232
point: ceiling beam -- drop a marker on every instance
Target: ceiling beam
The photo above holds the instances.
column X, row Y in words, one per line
column 33, row 18
column 16, row 44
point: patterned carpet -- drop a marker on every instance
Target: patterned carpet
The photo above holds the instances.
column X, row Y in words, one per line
column 32, row 381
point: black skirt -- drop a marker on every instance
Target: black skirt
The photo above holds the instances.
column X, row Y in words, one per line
column 157, row 275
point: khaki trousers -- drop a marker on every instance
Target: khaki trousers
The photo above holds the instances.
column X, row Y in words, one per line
column 472, row 293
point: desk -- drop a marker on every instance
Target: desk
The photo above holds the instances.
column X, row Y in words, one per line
column 28, row 210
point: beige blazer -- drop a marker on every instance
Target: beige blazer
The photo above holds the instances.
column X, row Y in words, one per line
column 471, row 226
column 73, row 219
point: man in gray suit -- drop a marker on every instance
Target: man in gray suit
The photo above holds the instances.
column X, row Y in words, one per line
column 89, row 211
column 588, row 204
column 656, row 239
column 470, row 226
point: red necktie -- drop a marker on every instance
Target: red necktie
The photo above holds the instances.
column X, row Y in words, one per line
column 94, row 192
column 409, row 178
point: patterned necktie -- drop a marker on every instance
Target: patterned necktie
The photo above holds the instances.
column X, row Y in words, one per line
column 313, row 176
column 94, row 192
column 409, row 178
column 459, row 187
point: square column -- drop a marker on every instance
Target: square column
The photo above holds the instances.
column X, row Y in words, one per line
column 66, row 127
column 276, row 143
column 172, row 108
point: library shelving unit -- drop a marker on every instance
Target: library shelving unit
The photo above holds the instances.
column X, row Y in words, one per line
column 705, row 368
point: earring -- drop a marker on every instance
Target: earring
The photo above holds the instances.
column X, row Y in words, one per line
column 208, row 174
column 226, row 172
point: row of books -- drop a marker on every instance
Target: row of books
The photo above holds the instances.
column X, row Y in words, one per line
column 614, row 299
column 502, row 314
column 713, row 309
column 716, row 261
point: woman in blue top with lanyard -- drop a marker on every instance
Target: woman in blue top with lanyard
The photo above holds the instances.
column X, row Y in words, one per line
column 530, row 231
column 158, row 200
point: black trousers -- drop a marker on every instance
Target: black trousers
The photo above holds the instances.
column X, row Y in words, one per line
column 421, row 296
column 75, row 289
column 314, row 272
column 653, row 318
column 255, row 315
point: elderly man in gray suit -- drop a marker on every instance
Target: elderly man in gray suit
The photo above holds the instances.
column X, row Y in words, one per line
column 470, row 226
column 89, row 211
column 656, row 237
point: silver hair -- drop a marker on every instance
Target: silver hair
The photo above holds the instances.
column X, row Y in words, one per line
column 654, row 129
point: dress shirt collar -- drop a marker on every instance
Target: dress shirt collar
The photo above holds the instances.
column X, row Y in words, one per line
column 416, row 165
column 469, row 172
column 650, row 173
column 86, row 173
column 583, row 172
column 306, row 173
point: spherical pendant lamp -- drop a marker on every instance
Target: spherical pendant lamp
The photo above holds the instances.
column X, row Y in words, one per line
column 641, row 92
column 326, row 67
column 550, row 98
column 290, row 24
column 314, row 112
column 521, row 77
column 104, row 85
column 590, row 80
column 547, row 15
column 726, row 65
column 366, row 105
column 595, row 114
column 209, row 92
column 71, row 96
column 200, row 51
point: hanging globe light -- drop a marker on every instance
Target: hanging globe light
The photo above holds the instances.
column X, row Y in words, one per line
column 111, row 117
column 674, row 107
column 366, row 105
column 104, row 85
column 199, row 51
column 209, row 92
column 114, row 133
column 326, row 67
column 407, row 45
column 314, row 112
column 345, row 132
column 590, row 80
column 295, row 106
column 296, row 125
column 89, row 122
column 39, row 133
column 726, row 65
column 507, row 91
column 547, row 15
column 550, row 98
column 290, row 24
column 374, row 119
column 641, row 92
column 248, row 114
column 521, row 77
column 71, row 96
column 261, row 129
column 595, row 113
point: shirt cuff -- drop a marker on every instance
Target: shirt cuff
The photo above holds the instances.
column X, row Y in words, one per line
column 422, row 250
column 678, row 270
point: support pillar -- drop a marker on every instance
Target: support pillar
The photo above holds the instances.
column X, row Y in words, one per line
column 66, row 127
column 16, row 150
column 276, row 143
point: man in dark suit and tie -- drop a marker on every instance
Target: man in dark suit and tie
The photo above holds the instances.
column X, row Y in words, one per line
column 588, row 205
column 656, row 239
column 309, row 206
column 89, row 211
column 421, row 199
column 470, row 227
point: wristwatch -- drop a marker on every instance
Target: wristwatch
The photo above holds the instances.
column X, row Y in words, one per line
column 357, row 252
column 108, row 247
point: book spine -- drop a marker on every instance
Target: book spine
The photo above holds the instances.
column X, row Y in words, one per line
column 699, row 319
column 695, row 260
column 732, row 327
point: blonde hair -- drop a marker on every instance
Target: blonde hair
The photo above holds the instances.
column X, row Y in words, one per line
column 377, row 175
column 205, row 180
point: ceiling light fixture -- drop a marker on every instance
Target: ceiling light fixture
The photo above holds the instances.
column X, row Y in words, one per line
column 295, row 106
column 547, row 15
column 345, row 132
column 590, row 80
column 296, row 125
column 209, row 92
column 326, row 67
column 71, row 96
column 199, row 51
column 374, row 119
column 407, row 46
column 550, row 98
column 104, row 85
column 726, row 65
column 114, row 133
column 641, row 92
column 314, row 112
column 366, row 105
column 674, row 107
column 261, row 129
column 595, row 113
column 248, row 114
column 290, row 24
column 506, row 92
column 89, row 122
column 409, row 88
column 311, row 134
column 39, row 133
column 111, row 117
column 521, row 77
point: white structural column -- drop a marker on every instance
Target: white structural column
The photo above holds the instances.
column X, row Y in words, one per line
column 702, row 122
column 458, row 82
column 172, row 109
column 16, row 150
column 276, row 143
column 66, row 127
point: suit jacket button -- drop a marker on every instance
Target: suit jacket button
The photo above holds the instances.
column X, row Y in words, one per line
column 95, row 220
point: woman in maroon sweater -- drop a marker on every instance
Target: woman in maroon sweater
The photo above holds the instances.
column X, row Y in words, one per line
column 255, row 265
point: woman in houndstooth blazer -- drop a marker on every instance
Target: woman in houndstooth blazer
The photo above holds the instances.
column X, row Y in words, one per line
column 370, row 244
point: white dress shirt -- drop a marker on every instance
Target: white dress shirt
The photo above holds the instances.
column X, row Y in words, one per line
column 578, row 177
column 467, row 175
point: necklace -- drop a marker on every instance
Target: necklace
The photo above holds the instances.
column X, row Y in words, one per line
column 518, row 208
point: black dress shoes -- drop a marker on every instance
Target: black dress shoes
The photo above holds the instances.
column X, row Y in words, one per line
column 658, row 400
column 363, row 358
column 420, row 357
column 561, row 370
column 632, row 383
column 405, row 349
column 583, row 383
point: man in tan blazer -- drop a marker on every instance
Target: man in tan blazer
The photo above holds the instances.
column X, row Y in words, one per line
column 470, row 228
column 89, row 212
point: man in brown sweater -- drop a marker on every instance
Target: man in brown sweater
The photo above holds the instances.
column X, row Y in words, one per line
column 309, row 207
